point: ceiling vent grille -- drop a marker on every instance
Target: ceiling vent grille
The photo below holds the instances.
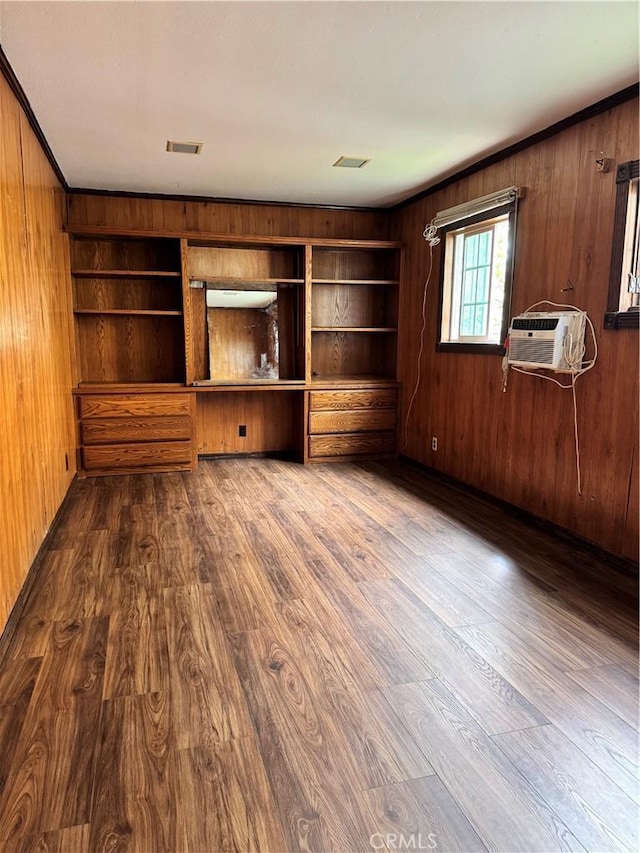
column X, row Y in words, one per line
column 351, row 162
column 184, row 147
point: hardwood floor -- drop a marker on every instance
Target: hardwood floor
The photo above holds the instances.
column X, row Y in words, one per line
column 264, row 657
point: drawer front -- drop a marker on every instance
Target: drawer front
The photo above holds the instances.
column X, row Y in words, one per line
column 360, row 420
column 123, row 456
column 352, row 444
column 134, row 405
column 118, row 430
column 383, row 398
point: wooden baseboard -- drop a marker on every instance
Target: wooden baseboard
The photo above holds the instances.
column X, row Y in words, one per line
column 16, row 611
column 621, row 564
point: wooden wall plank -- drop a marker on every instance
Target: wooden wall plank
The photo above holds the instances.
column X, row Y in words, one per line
column 36, row 373
column 519, row 445
column 225, row 218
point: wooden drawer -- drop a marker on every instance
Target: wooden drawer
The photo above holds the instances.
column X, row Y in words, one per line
column 353, row 444
column 134, row 405
column 360, row 420
column 124, row 456
column 383, row 398
column 118, row 430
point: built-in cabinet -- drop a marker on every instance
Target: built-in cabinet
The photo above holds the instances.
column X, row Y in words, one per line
column 163, row 319
column 351, row 423
column 140, row 432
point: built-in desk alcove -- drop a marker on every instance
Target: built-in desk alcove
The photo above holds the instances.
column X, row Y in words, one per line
column 245, row 421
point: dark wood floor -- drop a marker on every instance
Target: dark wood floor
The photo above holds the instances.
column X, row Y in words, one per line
column 261, row 656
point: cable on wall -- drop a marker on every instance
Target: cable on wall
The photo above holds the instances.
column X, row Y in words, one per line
column 443, row 218
column 574, row 352
column 432, row 240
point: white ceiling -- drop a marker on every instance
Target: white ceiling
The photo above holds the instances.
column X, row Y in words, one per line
column 277, row 91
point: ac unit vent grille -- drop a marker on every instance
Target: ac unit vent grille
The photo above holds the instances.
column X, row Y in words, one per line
column 531, row 349
column 539, row 324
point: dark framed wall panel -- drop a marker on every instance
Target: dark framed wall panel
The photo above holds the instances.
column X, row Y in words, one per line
column 615, row 319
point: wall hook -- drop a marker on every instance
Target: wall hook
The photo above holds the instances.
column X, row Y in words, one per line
column 568, row 287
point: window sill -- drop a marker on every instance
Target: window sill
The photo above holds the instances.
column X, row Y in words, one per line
column 475, row 349
column 622, row 320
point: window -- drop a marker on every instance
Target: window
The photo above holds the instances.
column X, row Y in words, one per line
column 476, row 277
column 623, row 304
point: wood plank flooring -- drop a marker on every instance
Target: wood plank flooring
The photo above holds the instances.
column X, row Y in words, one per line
column 264, row 657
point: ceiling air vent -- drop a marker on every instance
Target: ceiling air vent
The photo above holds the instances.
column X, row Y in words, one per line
column 184, row 147
column 351, row 162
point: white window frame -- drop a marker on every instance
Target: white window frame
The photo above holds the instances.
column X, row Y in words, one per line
column 452, row 296
column 630, row 248
column 449, row 293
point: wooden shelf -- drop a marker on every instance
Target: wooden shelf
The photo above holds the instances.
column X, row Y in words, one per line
column 136, row 312
column 240, row 281
column 247, row 383
column 125, row 274
column 353, row 380
column 206, row 387
column 128, row 387
column 385, row 281
column 385, row 329
column 205, row 238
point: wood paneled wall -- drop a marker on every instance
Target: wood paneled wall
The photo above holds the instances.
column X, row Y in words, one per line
column 237, row 339
column 35, row 356
column 519, row 446
column 225, row 218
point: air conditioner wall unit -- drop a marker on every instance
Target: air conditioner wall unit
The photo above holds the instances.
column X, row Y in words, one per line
column 547, row 339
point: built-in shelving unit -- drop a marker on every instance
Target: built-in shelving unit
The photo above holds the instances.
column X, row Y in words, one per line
column 297, row 338
column 128, row 309
column 354, row 312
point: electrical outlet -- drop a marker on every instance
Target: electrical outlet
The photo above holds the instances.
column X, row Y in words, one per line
column 242, row 430
column 434, row 443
